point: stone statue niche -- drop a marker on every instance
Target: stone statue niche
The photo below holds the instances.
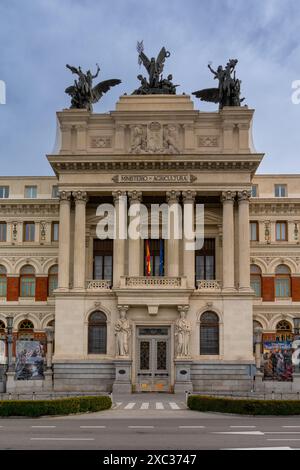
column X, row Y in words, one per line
column 156, row 84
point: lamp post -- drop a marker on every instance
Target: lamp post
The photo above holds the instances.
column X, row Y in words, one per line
column 296, row 328
column 296, row 345
column 9, row 320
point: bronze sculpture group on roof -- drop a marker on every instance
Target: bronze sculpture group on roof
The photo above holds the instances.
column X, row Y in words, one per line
column 84, row 94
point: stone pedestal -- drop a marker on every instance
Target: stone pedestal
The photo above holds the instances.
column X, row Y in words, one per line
column 122, row 383
column 296, row 382
column 10, row 382
column 48, row 385
column 183, row 381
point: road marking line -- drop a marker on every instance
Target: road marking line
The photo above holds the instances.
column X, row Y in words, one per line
column 283, row 439
column 141, row 427
column 282, row 432
column 129, row 406
column 92, row 427
column 242, row 433
column 258, row 448
column 159, row 405
column 174, row 405
column 145, row 406
column 119, row 403
column 242, row 427
column 62, row 439
column 191, row 427
column 43, row 427
column 290, row 426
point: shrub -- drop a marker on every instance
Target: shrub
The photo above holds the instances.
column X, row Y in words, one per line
column 244, row 406
column 59, row 406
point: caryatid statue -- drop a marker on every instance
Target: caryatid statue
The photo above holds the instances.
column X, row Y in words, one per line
column 183, row 331
column 122, row 332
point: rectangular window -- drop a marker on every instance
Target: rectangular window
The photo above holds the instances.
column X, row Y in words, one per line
column 280, row 190
column 3, row 285
column 55, row 191
column 3, row 231
column 282, row 287
column 254, row 231
column 29, row 232
column 28, row 286
column 205, row 261
column 157, row 257
column 4, row 192
column 103, row 259
column 30, row 192
column 281, row 231
column 55, row 231
column 254, row 190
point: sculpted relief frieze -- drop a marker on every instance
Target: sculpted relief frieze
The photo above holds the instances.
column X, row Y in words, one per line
column 154, row 138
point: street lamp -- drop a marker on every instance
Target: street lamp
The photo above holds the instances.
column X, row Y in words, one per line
column 296, row 328
column 257, row 341
column 10, row 321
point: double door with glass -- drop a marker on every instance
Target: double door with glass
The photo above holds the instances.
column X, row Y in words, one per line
column 153, row 359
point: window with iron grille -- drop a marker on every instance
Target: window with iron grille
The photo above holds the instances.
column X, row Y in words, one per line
column 209, row 334
column 97, row 333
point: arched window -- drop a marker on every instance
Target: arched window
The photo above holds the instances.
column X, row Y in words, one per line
column 282, row 281
column 284, row 331
column 3, row 281
column 27, row 281
column 52, row 279
column 209, row 334
column 255, row 279
column 25, row 330
column 97, row 333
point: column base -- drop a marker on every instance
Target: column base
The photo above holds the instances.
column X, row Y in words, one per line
column 228, row 289
column 10, row 382
column 122, row 383
column 183, row 381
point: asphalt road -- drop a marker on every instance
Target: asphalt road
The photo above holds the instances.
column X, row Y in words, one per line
column 154, row 429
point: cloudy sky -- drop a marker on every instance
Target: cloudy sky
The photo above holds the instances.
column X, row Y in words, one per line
column 38, row 37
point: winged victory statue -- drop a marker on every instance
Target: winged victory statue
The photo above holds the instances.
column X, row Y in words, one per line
column 155, row 84
column 229, row 87
column 83, row 94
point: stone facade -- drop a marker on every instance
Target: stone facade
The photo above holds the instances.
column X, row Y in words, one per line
column 151, row 148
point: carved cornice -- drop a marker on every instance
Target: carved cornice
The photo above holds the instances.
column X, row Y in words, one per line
column 128, row 164
column 42, row 209
column 274, row 208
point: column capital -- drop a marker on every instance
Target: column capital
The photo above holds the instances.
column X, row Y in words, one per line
column 228, row 196
column 172, row 196
column 188, row 196
column 80, row 196
column 64, row 196
column 135, row 197
column 244, row 196
column 183, row 308
column 118, row 194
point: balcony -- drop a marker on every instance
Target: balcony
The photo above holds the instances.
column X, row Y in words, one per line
column 100, row 284
column 208, row 285
column 153, row 282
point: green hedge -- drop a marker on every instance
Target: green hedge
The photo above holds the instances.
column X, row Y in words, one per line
column 244, row 406
column 60, row 406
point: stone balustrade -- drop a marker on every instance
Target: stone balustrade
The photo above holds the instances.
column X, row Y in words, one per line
column 208, row 285
column 159, row 282
column 99, row 284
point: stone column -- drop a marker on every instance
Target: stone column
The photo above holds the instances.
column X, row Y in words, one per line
column 120, row 200
column 173, row 243
column 244, row 240
column 134, row 248
column 64, row 241
column 49, row 330
column 228, row 240
column 79, row 240
column 188, row 254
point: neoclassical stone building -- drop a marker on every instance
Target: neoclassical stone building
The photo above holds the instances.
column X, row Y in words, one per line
column 147, row 314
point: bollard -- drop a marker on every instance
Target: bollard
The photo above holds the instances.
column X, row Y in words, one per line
column 187, row 394
column 9, row 396
column 273, row 395
column 33, row 395
column 110, row 394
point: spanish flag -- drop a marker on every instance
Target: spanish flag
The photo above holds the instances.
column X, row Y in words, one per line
column 148, row 259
